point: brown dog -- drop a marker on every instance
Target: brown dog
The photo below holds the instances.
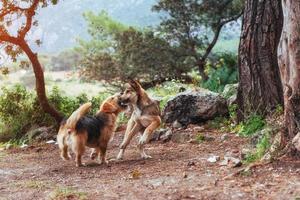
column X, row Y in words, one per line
column 94, row 132
column 144, row 119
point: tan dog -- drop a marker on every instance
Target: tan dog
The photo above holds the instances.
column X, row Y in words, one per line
column 144, row 119
column 94, row 132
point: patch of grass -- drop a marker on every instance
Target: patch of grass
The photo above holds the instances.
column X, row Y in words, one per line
column 167, row 90
column 200, row 138
column 253, row 124
column 37, row 184
column 279, row 110
column 261, row 148
column 13, row 143
column 67, row 193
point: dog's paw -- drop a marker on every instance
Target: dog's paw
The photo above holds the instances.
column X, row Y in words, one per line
column 142, row 141
column 80, row 165
column 65, row 157
column 104, row 162
column 119, row 158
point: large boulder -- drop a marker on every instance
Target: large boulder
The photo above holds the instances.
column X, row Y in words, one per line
column 192, row 107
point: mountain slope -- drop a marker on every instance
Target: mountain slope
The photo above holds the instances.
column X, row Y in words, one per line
column 60, row 25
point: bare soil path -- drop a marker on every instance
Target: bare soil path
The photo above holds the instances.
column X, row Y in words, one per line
column 176, row 171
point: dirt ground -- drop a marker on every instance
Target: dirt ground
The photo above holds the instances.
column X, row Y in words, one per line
column 176, row 171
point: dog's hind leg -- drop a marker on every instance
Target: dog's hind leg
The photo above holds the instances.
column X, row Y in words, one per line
column 146, row 137
column 78, row 147
column 131, row 130
column 63, row 146
column 103, row 155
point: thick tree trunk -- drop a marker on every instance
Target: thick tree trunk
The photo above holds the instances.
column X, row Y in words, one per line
column 289, row 62
column 201, row 69
column 40, row 82
column 260, row 88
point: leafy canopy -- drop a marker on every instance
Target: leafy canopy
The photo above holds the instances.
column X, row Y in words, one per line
column 195, row 25
column 118, row 52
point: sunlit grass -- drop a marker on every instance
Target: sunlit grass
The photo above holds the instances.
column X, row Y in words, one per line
column 67, row 193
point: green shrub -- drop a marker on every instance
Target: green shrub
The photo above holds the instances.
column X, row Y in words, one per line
column 221, row 72
column 253, row 124
column 261, row 148
column 20, row 109
column 167, row 90
column 200, row 138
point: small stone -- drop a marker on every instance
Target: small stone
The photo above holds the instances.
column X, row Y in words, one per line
column 224, row 162
column 224, row 137
column 24, row 146
column 234, row 162
column 213, row 159
column 180, row 137
column 198, row 129
column 176, row 125
column 185, row 175
column 8, row 146
column 50, row 142
column 191, row 163
column 244, row 152
column 167, row 136
column 296, row 141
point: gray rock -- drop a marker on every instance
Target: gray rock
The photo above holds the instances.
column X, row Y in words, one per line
column 176, row 124
column 192, row 107
column 224, row 137
column 180, row 137
column 232, row 100
column 167, row 136
column 213, row 159
column 230, row 90
column 231, row 162
column 40, row 134
column 156, row 136
column 296, row 141
column 198, row 129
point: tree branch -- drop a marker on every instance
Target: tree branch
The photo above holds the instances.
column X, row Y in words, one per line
column 29, row 16
column 217, row 34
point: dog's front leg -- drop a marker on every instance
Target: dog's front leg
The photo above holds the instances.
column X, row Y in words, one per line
column 133, row 128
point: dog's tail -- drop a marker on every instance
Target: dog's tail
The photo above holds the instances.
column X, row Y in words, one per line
column 76, row 115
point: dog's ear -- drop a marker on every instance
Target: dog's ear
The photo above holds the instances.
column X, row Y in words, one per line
column 135, row 85
column 108, row 108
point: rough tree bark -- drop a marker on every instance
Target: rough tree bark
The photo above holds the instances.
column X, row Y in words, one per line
column 289, row 62
column 260, row 88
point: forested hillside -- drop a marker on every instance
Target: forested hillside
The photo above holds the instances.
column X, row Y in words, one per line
column 60, row 25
